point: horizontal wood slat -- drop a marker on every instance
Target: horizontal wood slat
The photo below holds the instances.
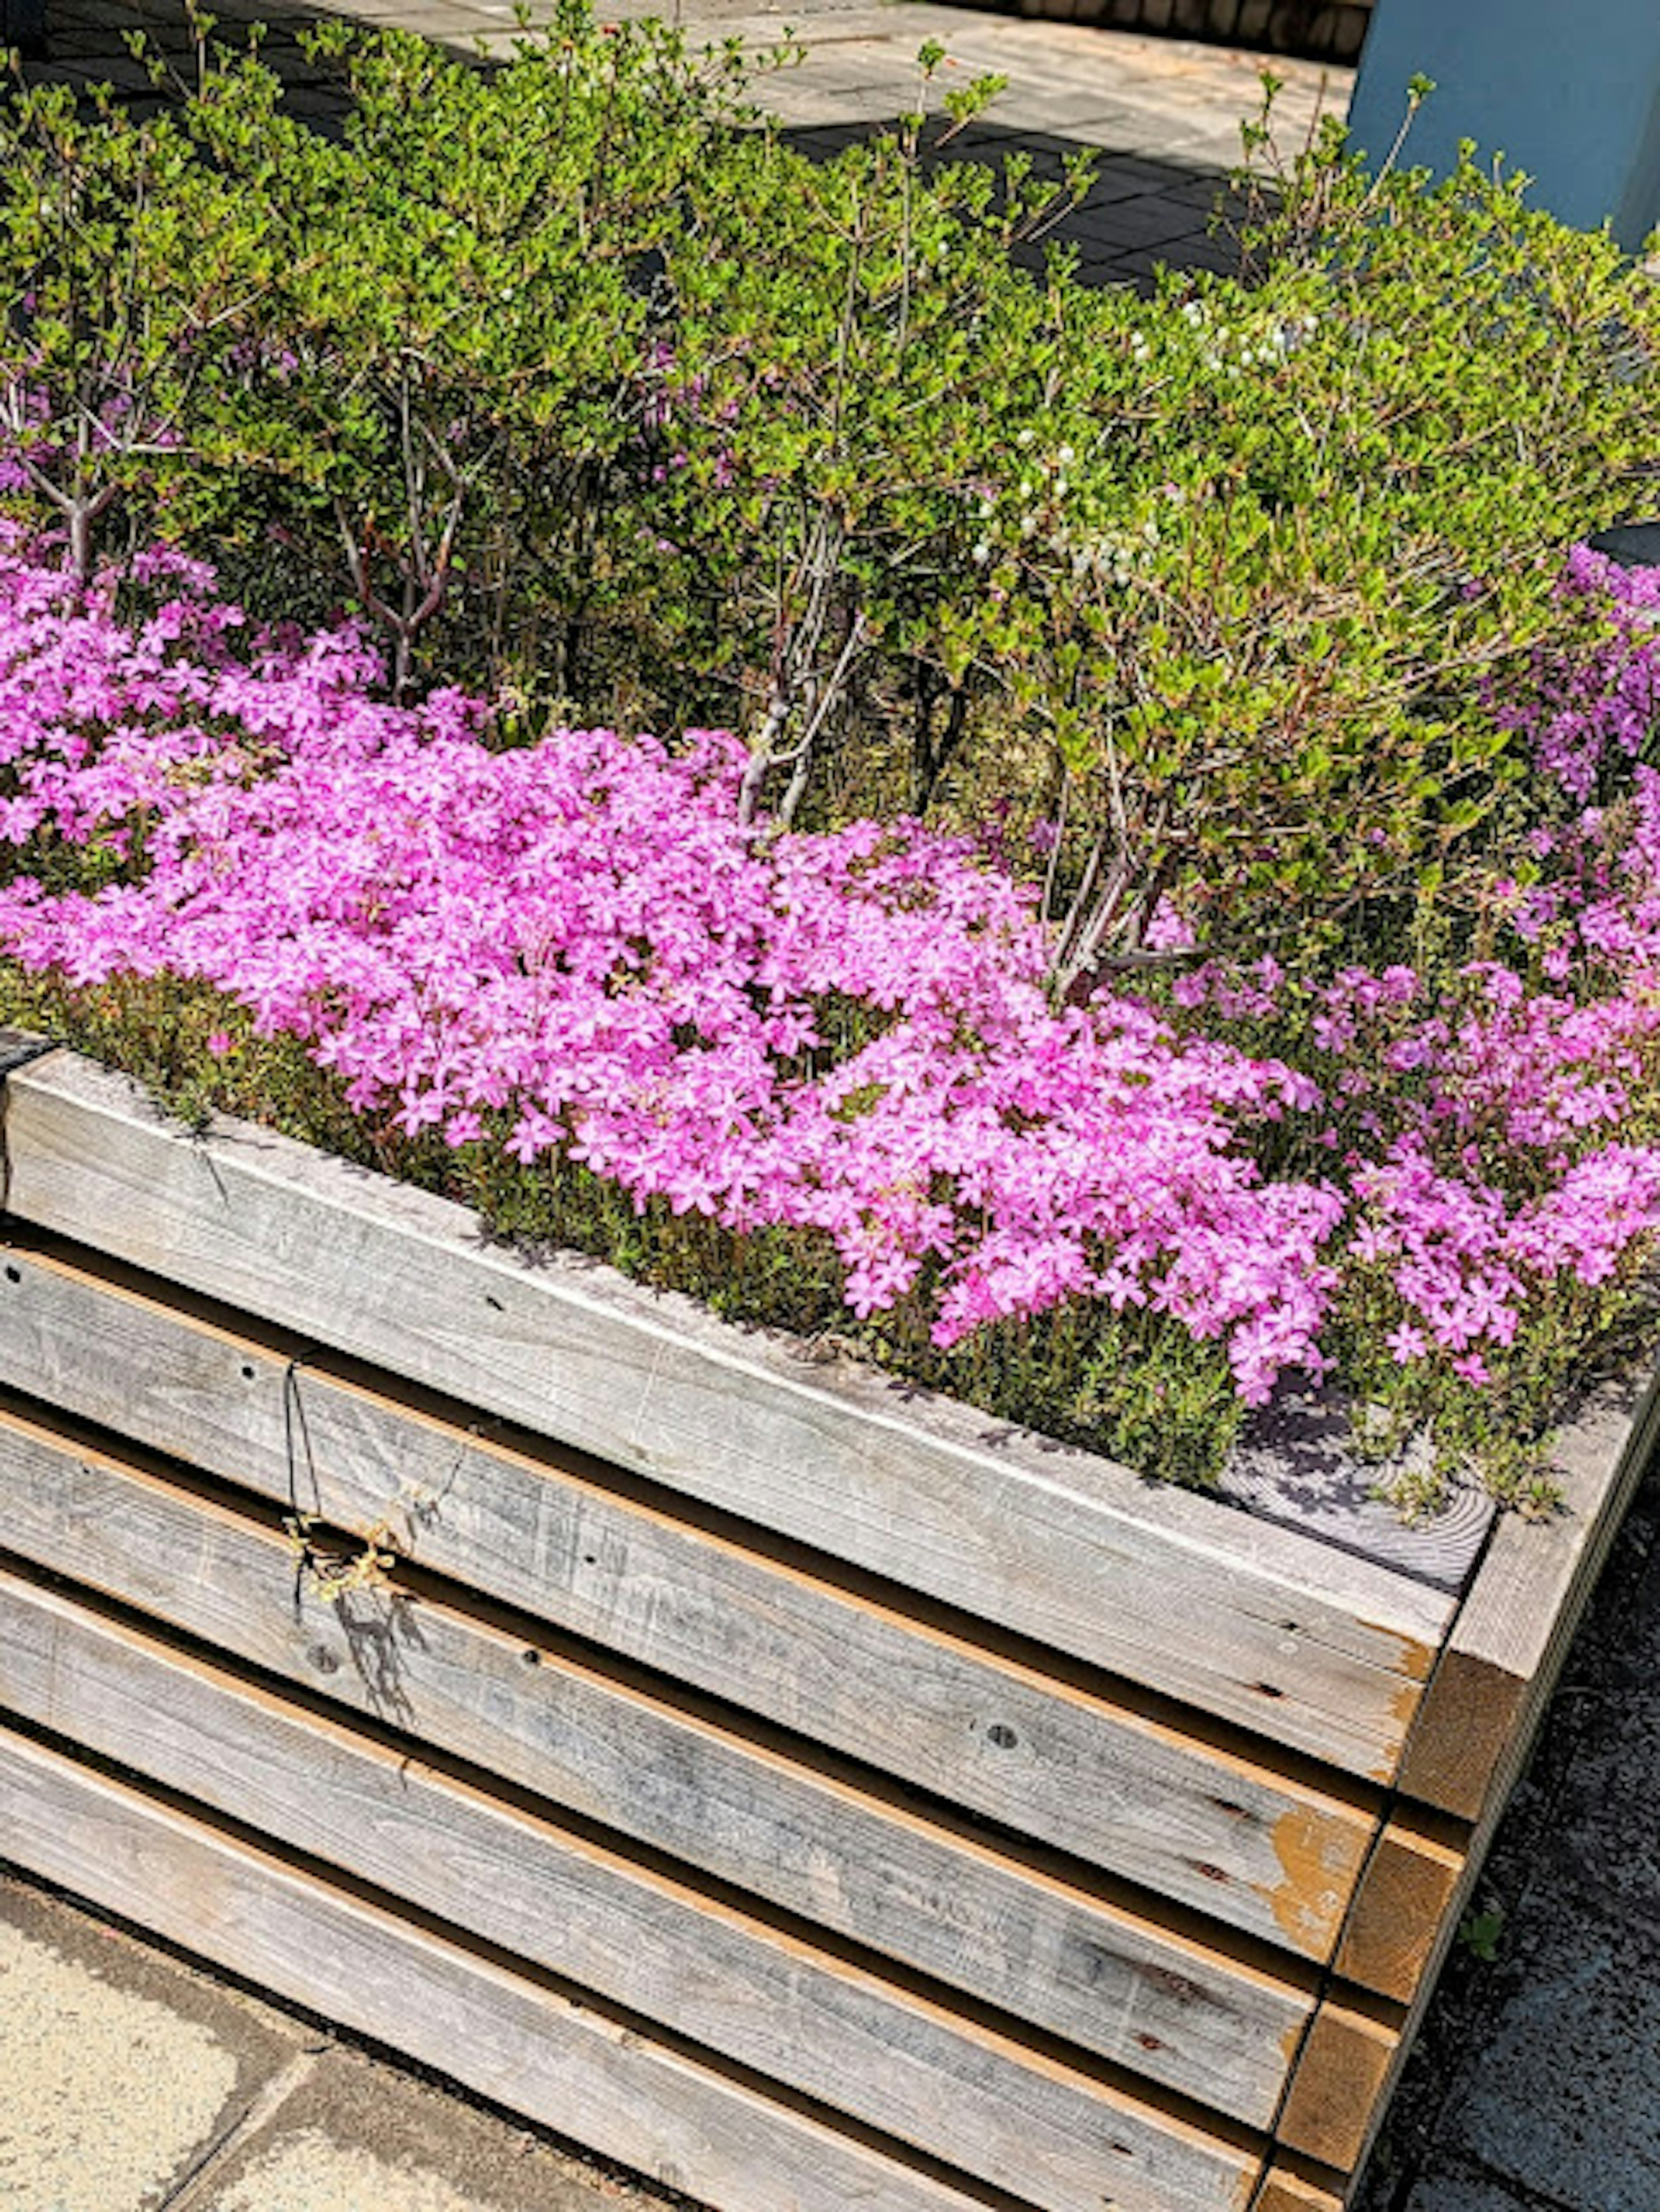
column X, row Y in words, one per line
column 668, row 2109
column 1410, row 1882
column 1273, row 1853
column 1017, row 2114
column 1244, row 1620
column 851, row 1799
column 1339, row 2075
column 1177, row 2009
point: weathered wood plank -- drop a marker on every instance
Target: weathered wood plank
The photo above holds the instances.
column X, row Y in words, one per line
column 1337, row 2088
column 665, row 2108
column 1438, row 1941
column 1181, row 2010
column 1523, row 1608
column 1404, row 1895
column 1506, row 1646
column 951, row 2084
column 1276, row 1856
column 1324, row 1652
column 1295, row 1462
column 1284, row 2189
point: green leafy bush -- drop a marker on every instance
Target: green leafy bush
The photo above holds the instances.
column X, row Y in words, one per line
column 448, row 365
column 854, row 356
column 586, row 390
column 406, row 355
column 131, row 269
column 1308, row 522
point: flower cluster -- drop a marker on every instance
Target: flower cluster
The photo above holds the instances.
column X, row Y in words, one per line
column 1606, row 702
column 1499, row 1135
column 573, row 948
column 573, row 951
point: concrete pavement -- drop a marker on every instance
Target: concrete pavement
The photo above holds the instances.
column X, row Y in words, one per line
column 131, row 2081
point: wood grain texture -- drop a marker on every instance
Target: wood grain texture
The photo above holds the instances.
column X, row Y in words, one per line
column 1179, row 2010
column 666, row 2109
column 952, row 2085
column 1511, row 1633
column 1283, row 2190
column 1295, row 1462
column 1441, row 1938
column 1338, row 2084
column 1272, row 1855
column 1405, row 1892
column 1322, row 1651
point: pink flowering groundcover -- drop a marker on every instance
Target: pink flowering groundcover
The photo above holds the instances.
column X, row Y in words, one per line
column 824, row 1069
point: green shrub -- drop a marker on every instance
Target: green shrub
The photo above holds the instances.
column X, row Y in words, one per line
column 583, row 386
column 130, row 268
column 854, row 356
column 449, row 366
column 1305, row 523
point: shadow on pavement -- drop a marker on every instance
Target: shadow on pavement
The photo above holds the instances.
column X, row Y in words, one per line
column 1142, row 212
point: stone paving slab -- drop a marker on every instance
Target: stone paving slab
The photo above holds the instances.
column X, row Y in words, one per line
column 132, row 2081
column 356, row 2135
column 1105, row 89
column 1466, row 2192
column 1563, row 2096
column 119, row 2076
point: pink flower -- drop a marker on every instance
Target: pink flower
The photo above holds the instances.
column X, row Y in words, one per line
column 573, row 951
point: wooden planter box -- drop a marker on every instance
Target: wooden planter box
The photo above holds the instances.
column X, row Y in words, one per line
column 808, row 1793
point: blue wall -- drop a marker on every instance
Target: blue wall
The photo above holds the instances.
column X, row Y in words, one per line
column 1568, row 90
